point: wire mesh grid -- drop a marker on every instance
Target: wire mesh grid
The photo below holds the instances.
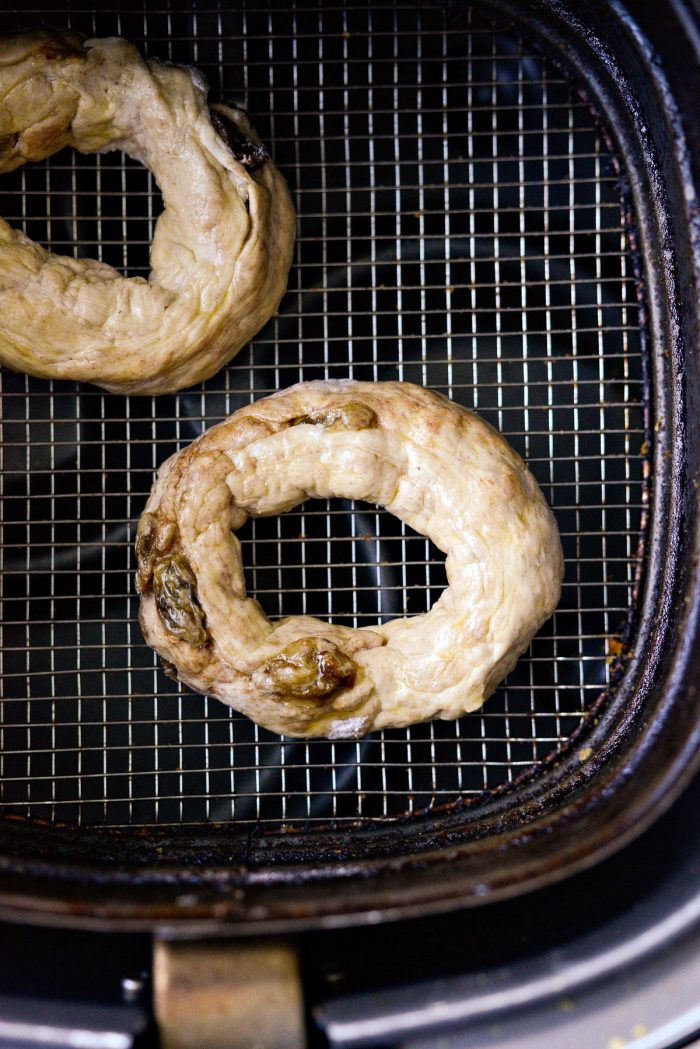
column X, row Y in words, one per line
column 459, row 226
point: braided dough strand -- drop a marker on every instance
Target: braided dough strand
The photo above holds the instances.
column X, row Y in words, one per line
column 433, row 464
column 221, row 248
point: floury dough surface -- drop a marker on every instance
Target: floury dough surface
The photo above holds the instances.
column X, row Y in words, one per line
column 433, row 464
column 221, row 249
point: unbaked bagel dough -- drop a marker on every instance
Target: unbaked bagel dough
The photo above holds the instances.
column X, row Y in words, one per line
column 432, row 463
column 221, row 249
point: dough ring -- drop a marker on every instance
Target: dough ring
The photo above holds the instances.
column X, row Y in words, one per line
column 221, row 249
column 433, row 464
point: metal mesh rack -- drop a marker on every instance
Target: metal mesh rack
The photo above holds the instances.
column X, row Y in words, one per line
column 459, row 226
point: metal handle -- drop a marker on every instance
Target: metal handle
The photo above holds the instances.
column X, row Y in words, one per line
column 228, row 995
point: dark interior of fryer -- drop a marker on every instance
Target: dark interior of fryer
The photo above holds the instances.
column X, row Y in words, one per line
column 460, row 225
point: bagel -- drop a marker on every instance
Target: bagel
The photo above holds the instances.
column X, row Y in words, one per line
column 221, row 249
column 437, row 467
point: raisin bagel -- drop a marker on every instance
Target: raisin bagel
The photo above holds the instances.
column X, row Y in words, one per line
column 221, row 249
column 432, row 463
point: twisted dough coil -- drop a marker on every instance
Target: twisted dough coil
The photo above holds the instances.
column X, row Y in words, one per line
column 221, row 248
column 433, row 464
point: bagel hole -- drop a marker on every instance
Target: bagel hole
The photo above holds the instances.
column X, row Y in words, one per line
column 348, row 562
column 99, row 206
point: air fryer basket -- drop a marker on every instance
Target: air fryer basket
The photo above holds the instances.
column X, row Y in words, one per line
column 493, row 203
